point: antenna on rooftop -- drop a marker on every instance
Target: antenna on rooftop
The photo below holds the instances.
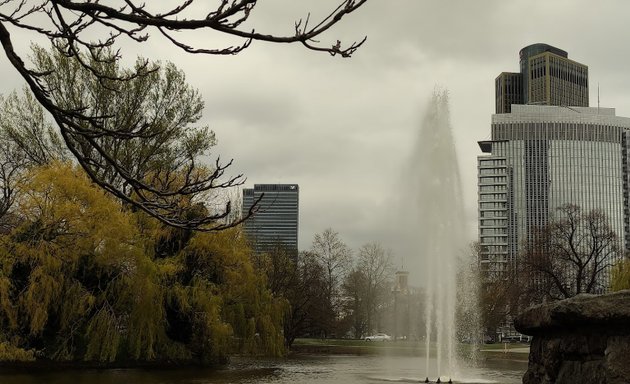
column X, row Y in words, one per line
column 598, row 98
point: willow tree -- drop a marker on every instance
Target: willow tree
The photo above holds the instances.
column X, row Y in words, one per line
column 27, row 139
column 84, row 31
column 64, row 267
column 166, row 106
column 79, row 281
column 222, row 262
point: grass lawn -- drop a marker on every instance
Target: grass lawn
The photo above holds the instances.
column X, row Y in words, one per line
column 503, row 346
column 343, row 342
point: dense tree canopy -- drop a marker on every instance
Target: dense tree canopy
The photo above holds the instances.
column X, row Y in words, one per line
column 80, row 280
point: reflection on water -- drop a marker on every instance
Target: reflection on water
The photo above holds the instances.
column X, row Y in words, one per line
column 308, row 370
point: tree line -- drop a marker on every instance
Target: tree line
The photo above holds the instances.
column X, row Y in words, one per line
column 87, row 276
column 84, row 278
column 333, row 291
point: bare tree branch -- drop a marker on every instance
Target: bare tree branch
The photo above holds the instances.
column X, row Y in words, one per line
column 86, row 32
column 573, row 254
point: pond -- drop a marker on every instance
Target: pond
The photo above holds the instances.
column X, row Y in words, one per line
column 343, row 369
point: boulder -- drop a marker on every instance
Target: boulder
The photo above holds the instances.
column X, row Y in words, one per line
column 584, row 339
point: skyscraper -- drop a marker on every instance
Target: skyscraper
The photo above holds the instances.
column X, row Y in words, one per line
column 275, row 223
column 546, row 155
column 547, row 77
column 540, row 158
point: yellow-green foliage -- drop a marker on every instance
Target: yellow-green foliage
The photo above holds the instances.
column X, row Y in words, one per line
column 621, row 276
column 226, row 262
column 83, row 279
column 9, row 352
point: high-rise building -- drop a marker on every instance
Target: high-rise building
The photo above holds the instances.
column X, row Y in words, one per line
column 508, row 90
column 544, row 154
column 547, row 77
column 275, row 222
column 540, row 158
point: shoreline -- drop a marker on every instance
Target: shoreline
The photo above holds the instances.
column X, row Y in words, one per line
column 517, row 352
column 304, row 347
column 51, row 366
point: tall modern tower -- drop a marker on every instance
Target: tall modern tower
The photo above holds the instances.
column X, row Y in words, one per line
column 275, row 223
column 547, row 77
column 548, row 149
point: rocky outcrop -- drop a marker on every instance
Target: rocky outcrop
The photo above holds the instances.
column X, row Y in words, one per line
column 584, row 339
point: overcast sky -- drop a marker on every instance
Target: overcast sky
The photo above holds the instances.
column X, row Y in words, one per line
column 343, row 129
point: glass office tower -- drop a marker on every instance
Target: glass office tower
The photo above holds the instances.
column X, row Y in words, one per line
column 540, row 158
column 275, row 222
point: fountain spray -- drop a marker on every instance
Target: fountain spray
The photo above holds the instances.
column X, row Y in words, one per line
column 434, row 171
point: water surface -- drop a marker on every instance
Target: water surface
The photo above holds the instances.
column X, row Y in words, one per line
column 295, row 370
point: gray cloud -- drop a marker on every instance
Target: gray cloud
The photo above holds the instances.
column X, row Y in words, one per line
column 344, row 128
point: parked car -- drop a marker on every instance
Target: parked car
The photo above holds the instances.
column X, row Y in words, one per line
column 378, row 337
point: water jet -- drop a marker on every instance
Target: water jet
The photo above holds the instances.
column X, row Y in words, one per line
column 438, row 230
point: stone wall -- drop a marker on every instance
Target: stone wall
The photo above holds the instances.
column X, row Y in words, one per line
column 584, row 339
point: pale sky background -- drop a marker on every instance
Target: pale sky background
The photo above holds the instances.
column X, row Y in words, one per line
column 343, row 129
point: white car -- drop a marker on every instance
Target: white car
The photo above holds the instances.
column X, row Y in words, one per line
column 378, row 337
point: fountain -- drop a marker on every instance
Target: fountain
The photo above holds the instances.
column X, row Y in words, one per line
column 435, row 194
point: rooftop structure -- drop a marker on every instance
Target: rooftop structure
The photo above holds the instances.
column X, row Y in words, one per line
column 547, row 77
